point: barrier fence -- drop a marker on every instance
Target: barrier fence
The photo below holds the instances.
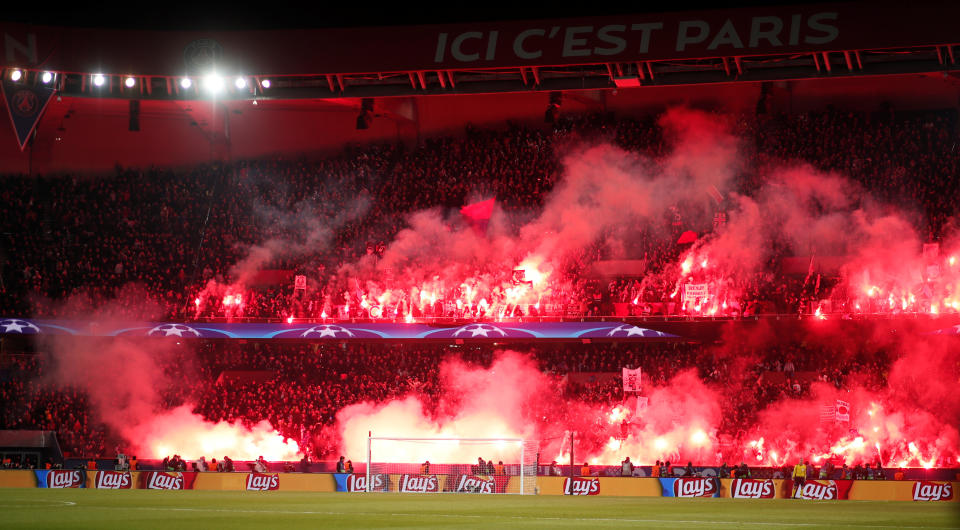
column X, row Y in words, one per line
column 680, row 487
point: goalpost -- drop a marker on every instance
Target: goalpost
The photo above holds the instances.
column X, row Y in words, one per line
column 451, row 465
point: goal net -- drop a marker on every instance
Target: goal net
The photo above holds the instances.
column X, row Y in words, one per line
column 451, row 465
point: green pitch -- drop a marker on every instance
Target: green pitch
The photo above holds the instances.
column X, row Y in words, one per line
column 33, row 508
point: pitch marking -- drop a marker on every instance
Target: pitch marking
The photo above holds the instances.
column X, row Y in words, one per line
column 518, row 517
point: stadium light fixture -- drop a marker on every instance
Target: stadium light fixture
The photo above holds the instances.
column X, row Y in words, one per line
column 213, row 83
column 240, row 83
column 99, row 80
column 186, row 83
column 129, row 82
column 46, row 77
column 16, row 75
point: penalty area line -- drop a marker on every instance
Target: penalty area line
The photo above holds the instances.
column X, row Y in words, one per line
column 518, row 517
column 29, row 504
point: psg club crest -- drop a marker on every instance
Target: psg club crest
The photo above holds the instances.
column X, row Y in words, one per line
column 173, row 330
column 202, row 55
column 12, row 325
column 25, row 103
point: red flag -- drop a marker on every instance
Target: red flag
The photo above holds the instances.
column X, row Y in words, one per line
column 687, row 237
column 478, row 214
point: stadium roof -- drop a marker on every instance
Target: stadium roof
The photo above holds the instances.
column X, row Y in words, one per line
column 168, row 16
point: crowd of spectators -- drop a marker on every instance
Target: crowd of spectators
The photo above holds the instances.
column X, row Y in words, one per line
column 171, row 233
column 300, row 389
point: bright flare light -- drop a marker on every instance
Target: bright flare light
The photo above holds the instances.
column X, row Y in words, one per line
column 16, row 75
column 46, row 77
column 186, row 83
column 698, row 438
column 265, row 83
column 129, row 82
column 99, row 80
column 240, row 83
column 617, row 414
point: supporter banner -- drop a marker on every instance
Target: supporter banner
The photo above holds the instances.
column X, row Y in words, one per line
column 695, row 292
column 60, row 478
column 843, row 411
column 340, row 331
column 113, row 480
column 823, row 490
column 585, row 40
column 690, row 487
column 159, row 480
column 631, row 379
column 25, row 104
column 641, row 406
column 263, row 482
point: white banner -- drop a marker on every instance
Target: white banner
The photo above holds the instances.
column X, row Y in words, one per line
column 631, row 380
column 843, row 411
column 299, row 282
column 694, row 291
column 641, row 406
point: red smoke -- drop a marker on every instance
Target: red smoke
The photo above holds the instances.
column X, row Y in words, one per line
column 126, row 379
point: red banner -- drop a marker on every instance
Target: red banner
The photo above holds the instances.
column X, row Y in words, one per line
column 587, row 40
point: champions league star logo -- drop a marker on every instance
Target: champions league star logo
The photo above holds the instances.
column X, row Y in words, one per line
column 633, row 331
column 327, row 330
column 479, row 330
column 173, row 330
column 18, row 326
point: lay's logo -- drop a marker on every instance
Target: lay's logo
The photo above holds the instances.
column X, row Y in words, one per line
column 748, row 488
column 932, row 491
column 695, row 487
column 113, row 480
column 263, row 482
column 58, row 478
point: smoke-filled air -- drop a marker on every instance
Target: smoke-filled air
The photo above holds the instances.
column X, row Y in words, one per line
column 608, row 197
column 626, row 204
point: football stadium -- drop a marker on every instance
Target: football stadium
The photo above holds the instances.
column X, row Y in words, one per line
column 667, row 266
